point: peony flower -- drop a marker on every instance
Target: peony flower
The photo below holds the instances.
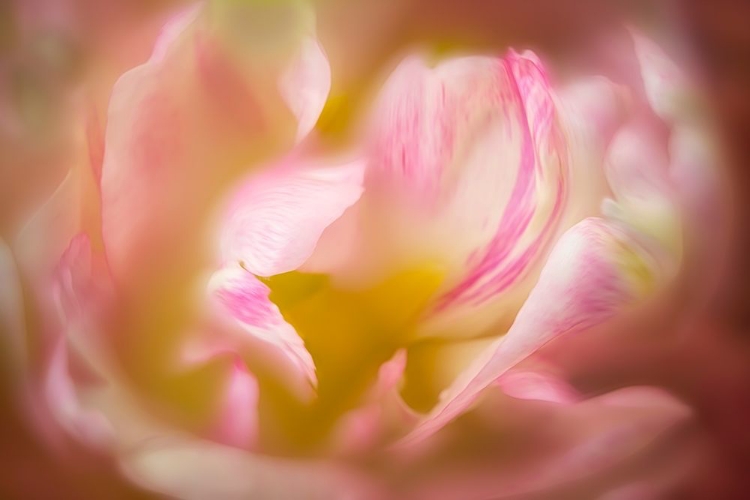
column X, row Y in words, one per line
column 232, row 298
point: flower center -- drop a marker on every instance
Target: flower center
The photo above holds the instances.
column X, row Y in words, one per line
column 350, row 334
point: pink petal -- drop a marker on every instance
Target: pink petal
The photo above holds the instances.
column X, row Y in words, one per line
column 184, row 125
column 592, row 273
column 276, row 218
column 244, row 300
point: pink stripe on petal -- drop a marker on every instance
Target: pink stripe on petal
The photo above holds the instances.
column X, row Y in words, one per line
column 542, row 160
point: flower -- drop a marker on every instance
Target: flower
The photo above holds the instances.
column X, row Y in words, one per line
column 230, row 309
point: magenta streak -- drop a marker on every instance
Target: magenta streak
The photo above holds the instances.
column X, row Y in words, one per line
column 512, row 225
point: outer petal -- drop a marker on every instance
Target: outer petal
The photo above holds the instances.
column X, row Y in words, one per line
column 276, row 218
column 593, row 271
column 576, row 443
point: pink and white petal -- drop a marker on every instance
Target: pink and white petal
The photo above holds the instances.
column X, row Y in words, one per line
column 275, row 219
column 244, row 300
column 182, row 467
column 306, row 84
column 578, row 445
column 593, row 272
column 522, row 178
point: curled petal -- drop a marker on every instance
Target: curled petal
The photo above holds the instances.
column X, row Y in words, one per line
column 593, row 271
column 244, row 299
column 276, row 218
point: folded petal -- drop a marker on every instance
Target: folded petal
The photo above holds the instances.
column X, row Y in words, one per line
column 275, row 220
column 593, row 272
column 245, row 300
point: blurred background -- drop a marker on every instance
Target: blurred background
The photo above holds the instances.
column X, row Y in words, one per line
column 57, row 54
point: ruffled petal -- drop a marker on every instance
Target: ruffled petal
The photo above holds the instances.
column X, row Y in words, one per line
column 593, row 271
column 275, row 220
